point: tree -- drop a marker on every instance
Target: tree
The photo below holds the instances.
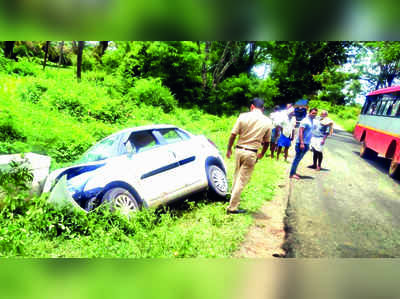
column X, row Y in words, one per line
column 103, row 47
column 8, row 50
column 46, row 53
column 295, row 63
column 385, row 66
column 224, row 62
column 338, row 87
column 81, row 45
column 61, row 53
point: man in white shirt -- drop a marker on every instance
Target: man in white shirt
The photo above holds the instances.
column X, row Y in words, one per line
column 286, row 127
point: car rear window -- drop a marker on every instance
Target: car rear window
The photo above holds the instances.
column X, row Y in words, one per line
column 171, row 135
column 141, row 141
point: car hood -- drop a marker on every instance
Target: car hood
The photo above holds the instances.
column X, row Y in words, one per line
column 70, row 172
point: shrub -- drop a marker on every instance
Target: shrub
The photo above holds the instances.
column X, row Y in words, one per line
column 8, row 131
column 4, row 62
column 23, row 68
column 150, row 91
column 16, row 177
column 236, row 92
column 111, row 60
column 32, row 91
column 83, row 101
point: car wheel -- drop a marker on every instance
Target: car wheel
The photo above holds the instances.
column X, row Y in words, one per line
column 121, row 200
column 394, row 170
column 91, row 204
column 217, row 182
column 366, row 152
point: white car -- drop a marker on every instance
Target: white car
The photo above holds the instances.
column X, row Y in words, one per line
column 141, row 167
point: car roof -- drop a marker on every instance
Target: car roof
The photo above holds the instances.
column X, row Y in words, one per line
column 142, row 128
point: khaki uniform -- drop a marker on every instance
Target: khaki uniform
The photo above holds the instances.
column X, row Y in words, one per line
column 252, row 127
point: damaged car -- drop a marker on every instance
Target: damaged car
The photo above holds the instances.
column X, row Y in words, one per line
column 141, row 167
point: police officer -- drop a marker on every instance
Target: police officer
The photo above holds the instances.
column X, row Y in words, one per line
column 254, row 129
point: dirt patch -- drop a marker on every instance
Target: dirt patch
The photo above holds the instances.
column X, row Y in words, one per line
column 267, row 235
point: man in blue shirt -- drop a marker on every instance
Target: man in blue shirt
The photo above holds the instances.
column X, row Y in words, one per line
column 303, row 140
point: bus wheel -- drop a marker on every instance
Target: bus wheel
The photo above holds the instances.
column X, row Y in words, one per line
column 366, row 152
column 394, row 170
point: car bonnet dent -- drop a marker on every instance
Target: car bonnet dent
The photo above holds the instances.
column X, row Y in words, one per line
column 70, row 183
column 60, row 197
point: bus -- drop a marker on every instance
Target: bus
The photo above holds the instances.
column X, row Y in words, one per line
column 378, row 127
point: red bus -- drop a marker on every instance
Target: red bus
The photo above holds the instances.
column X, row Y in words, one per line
column 378, row 127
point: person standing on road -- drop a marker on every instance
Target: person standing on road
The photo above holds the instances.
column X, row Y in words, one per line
column 254, row 129
column 286, row 126
column 323, row 128
column 303, row 141
column 275, row 117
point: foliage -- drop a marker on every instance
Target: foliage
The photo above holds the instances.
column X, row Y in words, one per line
column 338, row 87
column 296, row 63
column 28, row 49
column 385, row 67
column 237, row 92
column 177, row 64
column 23, row 68
column 16, row 177
column 150, row 91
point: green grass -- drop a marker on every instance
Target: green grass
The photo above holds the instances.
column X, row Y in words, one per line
column 347, row 124
column 50, row 113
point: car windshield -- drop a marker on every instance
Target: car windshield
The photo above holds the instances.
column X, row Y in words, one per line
column 105, row 149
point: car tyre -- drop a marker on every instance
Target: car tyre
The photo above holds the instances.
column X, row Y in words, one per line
column 394, row 170
column 91, row 204
column 366, row 152
column 217, row 181
column 122, row 200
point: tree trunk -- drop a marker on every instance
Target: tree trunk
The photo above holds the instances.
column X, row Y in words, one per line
column 252, row 51
column 204, row 67
column 46, row 53
column 218, row 72
column 61, row 53
column 8, row 49
column 81, row 44
column 74, row 47
column 103, row 47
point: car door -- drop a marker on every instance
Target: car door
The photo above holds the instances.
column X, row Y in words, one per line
column 153, row 165
column 185, row 152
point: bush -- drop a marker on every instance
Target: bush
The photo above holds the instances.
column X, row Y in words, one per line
column 111, row 59
column 4, row 62
column 234, row 93
column 32, row 91
column 150, row 91
column 8, row 130
column 23, row 68
column 83, row 101
column 15, row 178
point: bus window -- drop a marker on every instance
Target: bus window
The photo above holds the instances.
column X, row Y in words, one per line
column 372, row 109
column 376, row 108
column 389, row 108
column 396, row 108
column 367, row 104
column 382, row 108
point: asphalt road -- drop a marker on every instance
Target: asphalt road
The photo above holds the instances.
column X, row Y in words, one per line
column 350, row 209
